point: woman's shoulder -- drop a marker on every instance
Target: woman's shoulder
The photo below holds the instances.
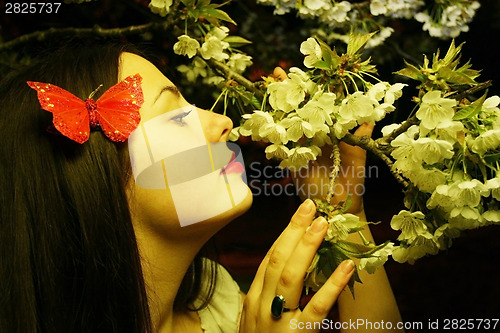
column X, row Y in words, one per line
column 222, row 313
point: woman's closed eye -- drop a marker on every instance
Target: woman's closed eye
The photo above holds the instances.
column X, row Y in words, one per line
column 179, row 118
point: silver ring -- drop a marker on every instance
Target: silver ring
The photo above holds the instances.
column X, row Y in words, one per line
column 278, row 306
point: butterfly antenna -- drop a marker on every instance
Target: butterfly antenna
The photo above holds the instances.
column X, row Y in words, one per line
column 93, row 93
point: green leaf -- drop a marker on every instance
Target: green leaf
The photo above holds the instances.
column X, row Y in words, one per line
column 321, row 65
column 330, row 259
column 471, row 110
column 492, row 158
column 452, row 53
column 412, row 72
column 347, row 203
column 330, row 57
column 188, row 3
column 219, row 14
column 237, row 41
column 452, row 76
column 357, row 42
column 358, row 250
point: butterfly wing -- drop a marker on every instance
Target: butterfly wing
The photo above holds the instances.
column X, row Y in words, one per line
column 70, row 117
column 118, row 108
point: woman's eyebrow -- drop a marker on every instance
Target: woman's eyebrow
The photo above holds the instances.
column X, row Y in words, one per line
column 172, row 89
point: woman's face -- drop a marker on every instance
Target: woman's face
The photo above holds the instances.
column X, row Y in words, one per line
column 185, row 176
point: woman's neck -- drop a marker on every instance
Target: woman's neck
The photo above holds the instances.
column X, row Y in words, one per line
column 165, row 261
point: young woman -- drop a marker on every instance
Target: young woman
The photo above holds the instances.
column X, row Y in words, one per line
column 84, row 248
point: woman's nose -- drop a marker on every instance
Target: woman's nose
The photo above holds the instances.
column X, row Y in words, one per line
column 216, row 127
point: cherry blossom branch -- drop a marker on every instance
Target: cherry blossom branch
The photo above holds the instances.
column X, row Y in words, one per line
column 473, row 90
column 335, row 156
column 383, row 143
column 229, row 74
column 367, row 143
column 52, row 33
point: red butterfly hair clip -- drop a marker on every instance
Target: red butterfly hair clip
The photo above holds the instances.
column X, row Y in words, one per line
column 116, row 111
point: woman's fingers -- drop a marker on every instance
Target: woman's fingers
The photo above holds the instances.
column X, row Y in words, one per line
column 297, row 226
column 320, row 304
column 285, row 246
column 291, row 281
column 280, row 74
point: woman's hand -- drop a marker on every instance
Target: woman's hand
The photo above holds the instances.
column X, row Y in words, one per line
column 282, row 273
column 314, row 181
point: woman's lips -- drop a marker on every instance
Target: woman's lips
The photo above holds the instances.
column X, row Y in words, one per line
column 233, row 166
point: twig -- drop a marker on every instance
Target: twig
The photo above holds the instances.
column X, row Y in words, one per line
column 383, row 142
column 367, row 143
column 230, row 74
column 473, row 90
column 335, row 156
column 41, row 36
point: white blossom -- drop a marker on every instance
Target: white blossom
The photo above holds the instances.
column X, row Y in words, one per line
column 273, row 132
column 321, row 136
column 359, row 107
column 426, row 179
column 441, row 197
column 453, row 20
column 161, row 7
column 444, row 234
column 469, row 192
column 465, row 217
column 340, row 225
column 490, row 105
column 317, row 111
column 394, row 92
column 339, row 12
column 411, row 224
column 377, row 259
column 289, row 93
column 296, row 128
column 380, row 37
column 486, row 141
column 234, row 135
column 492, row 216
column 395, row 8
column 214, row 47
column 311, row 49
column 186, row 46
column 404, row 143
column 435, row 109
column 197, row 68
column 432, row 151
column 278, row 151
column 378, row 7
column 377, row 91
column 494, row 186
column 388, row 129
column 451, row 131
column 298, row 158
column 422, row 245
column 239, row 62
column 253, row 123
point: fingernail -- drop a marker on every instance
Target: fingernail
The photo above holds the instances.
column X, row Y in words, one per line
column 306, row 207
column 319, row 224
column 347, row 266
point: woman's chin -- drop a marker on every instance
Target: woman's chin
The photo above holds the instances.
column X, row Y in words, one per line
column 227, row 216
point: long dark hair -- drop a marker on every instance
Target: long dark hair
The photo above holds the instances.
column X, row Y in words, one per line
column 68, row 255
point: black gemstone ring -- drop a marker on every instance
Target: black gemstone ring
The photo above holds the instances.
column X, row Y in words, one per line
column 278, row 306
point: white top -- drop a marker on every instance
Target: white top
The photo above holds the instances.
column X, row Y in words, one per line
column 223, row 312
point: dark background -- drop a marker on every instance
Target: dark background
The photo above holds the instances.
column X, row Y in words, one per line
column 461, row 283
